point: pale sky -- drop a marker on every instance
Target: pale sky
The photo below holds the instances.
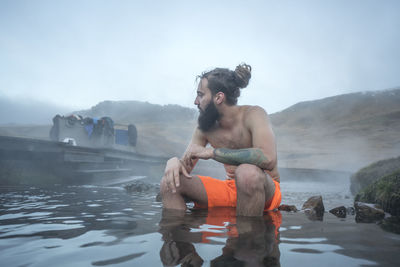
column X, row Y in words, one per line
column 78, row 53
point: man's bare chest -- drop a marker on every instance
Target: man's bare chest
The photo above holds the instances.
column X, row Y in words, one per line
column 234, row 139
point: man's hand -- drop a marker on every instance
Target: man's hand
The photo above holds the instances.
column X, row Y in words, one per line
column 172, row 172
column 194, row 152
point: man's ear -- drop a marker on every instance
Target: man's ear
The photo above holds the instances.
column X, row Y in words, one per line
column 219, row 98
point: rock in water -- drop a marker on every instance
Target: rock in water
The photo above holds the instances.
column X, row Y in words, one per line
column 339, row 212
column 287, row 208
column 314, row 208
column 368, row 213
column 159, row 197
column 139, row 186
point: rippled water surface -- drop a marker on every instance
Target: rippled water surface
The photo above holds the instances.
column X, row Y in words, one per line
column 101, row 226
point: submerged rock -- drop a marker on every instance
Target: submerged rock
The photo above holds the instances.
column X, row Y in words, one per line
column 285, row 207
column 385, row 192
column 159, row 197
column 314, row 208
column 368, row 213
column 340, row 212
column 139, row 186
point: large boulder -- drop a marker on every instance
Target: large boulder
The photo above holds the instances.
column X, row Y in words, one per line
column 371, row 173
column 314, row 208
column 368, row 213
column 385, row 192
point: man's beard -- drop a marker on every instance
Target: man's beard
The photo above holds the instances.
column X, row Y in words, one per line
column 208, row 117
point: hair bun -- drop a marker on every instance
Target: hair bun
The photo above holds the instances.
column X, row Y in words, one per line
column 242, row 75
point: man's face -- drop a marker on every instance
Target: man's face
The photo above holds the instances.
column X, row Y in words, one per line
column 204, row 96
column 208, row 111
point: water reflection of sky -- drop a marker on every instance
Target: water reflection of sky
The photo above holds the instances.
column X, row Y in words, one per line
column 100, row 226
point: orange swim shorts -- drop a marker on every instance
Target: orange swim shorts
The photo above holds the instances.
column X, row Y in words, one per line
column 222, row 193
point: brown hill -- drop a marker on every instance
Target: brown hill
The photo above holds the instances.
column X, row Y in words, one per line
column 343, row 111
column 342, row 132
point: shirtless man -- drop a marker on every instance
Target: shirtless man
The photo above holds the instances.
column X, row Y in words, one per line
column 240, row 137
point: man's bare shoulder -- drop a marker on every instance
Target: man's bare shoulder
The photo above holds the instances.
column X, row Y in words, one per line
column 253, row 112
column 199, row 137
column 197, row 132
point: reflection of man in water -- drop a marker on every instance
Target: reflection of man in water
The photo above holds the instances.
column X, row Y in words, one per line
column 256, row 242
column 250, row 241
column 240, row 137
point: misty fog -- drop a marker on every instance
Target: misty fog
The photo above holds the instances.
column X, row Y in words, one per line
column 17, row 111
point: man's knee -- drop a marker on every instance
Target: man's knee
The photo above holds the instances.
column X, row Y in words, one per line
column 163, row 186
column 249, row 178
column 166, row 188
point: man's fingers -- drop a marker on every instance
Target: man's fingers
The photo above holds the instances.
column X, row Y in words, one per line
column 187, row 161
column 176, row 178
column 171, row 182
column 185, row 173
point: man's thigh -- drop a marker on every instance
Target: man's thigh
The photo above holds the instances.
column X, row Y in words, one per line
column 220, row 193
column 193, row 189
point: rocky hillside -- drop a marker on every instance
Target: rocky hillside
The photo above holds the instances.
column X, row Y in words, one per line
column 342, row 132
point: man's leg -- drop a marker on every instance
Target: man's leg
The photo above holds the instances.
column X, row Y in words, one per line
column 191, row 188
column 254, row 188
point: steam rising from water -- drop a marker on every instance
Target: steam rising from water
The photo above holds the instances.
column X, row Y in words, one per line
column 26, row 111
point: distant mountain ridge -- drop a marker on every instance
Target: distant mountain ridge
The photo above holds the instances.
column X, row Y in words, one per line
column 139, row 112
column 342, row 110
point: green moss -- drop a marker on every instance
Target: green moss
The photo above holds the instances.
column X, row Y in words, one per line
column 385, row 191
column 371, row 173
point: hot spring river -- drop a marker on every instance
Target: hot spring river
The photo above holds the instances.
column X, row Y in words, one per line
column 107, row 226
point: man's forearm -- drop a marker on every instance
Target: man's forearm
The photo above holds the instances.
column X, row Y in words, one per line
column 236, row 157
column 188, row 164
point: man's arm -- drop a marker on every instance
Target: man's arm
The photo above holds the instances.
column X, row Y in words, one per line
column 198, row 140
column 184, row 166
column 253, row 156
column 263, row 152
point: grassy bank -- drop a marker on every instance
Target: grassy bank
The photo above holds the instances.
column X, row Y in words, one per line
column 373, row 172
